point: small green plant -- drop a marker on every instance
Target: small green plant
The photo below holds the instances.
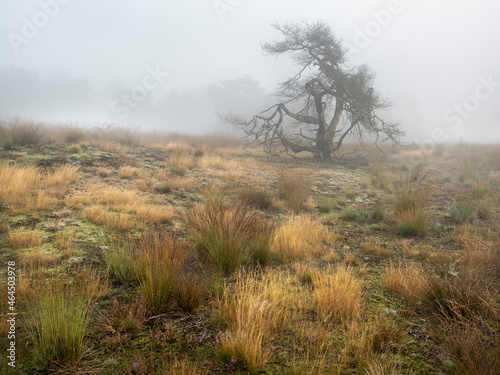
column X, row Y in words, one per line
column 377, row 214
column 259, row 198
column 165, row 189
column 325, row 206
column 260, row 246
column 128, row 318
column 178, row 170
column 158, row 260
column 189, row 292
column 60, row 315
column 293, row 188
column 26, row 132
column 349, row 194
column 350, row 214
column 8, row 145
column 412, row 194
column 223, row 232
column 479, row 191
column 74, row 149
column 118, row 254
column 463, row 213
column 341, row 202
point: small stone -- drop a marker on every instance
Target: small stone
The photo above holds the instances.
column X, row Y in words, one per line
column 110, row 362
column 359, row 200
column 390, row 312
column 75, row 260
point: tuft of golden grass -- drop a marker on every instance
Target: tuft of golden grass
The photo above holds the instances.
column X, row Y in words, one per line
column 158, row 260
column 62, row 176
column 293, row 188
column 20, row 189
column 301, row 238
column 24, row 238
column 59, row 317
column 103, row 171
column 369, row 343
column 179, row 147
column 375, row 247
column 412, row 194
column 224, row 232
column 256, row 308
column 216, row 162
column 153, row 214
column 189, row 292
column 100, row 216
column 65, row 242
column 410, row 281
column 127, row 172
column 35, row 257
column 109, row 146
column 339, row 295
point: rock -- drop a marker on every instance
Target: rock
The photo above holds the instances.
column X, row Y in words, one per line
column 390, row 312
column 359, row 200
column 75, row 260
column 110, row 362
column 12, row 162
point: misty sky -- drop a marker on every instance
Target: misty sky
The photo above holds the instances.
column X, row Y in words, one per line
column 439, row 61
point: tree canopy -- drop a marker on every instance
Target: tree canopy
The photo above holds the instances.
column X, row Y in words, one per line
column 324, row 102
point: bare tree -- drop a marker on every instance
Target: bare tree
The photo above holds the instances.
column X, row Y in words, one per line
column 323, row 103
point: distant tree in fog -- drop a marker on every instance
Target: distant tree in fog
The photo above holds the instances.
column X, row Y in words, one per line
column 323, row 103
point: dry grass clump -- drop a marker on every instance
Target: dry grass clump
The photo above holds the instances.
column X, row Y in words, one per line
column 189, row 292
column 123, row 318
column 129, row 173
column 119, row 255
column 216, row 162
column 111, row 197
column 24, row 238
column 293, row 188
column 179, row 147
column 109, row 146
column 115, row 196
column 59, row 317
column 480, row 250
column 103, row 171
column 57, row 182
column 301, row 238
column 472, row 342
column 412, row 194
column 253, row 311
column 66, row 242
column 25, row 132
column 35, row 257
column 339, row 295
column 257, row 197
column 20, row 189
column 181, row 159
column 410, row 281
column 101, row 216
column 224, row 232
column 152, row 213
column 62, row 176
column 158, row 260
column 375, row 247
column 366, row 343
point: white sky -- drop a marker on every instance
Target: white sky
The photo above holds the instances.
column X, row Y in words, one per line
column 428, row 57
